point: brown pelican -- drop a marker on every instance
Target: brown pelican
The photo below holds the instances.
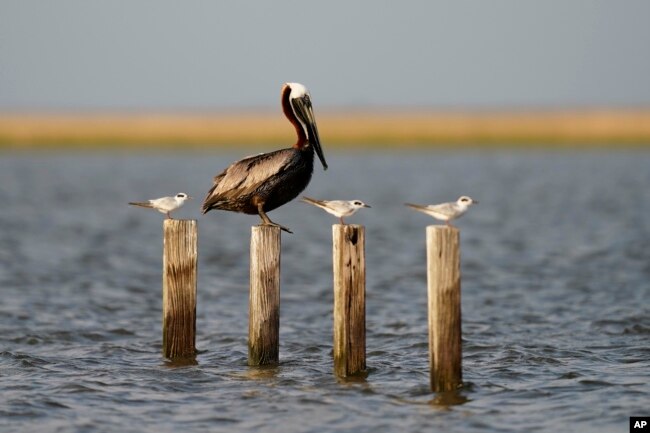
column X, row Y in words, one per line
column 261, row 183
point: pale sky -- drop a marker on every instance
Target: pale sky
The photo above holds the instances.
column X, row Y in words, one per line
column 197, row 55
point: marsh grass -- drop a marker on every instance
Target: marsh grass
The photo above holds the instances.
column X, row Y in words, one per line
column 588, row 128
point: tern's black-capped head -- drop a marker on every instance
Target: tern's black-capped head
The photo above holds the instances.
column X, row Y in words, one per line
column 359, row 204
column 466, row 201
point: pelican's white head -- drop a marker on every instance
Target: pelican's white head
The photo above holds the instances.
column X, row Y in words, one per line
column 297, row 90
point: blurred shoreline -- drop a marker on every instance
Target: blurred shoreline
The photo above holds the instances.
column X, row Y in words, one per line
column 399, row 128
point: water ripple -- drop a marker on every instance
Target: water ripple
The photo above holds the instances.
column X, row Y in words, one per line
column 555, row 289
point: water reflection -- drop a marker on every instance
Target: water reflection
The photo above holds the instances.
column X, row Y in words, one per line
column 359, row 378
column 261, row 372
column 449, row 398
column 186, row 361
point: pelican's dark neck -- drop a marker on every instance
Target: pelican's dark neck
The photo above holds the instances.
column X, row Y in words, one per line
column 288, row 111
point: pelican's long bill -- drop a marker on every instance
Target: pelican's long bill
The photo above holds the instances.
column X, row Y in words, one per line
column 302, row 106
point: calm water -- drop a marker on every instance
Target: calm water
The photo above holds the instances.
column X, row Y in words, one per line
column 556, row 283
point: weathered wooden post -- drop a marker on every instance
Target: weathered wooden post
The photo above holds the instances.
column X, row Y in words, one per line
column 179, row 288
column 349, row 299
column 264, row 299
column 443, row 275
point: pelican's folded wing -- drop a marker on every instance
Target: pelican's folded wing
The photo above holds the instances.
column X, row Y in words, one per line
column 245, row 176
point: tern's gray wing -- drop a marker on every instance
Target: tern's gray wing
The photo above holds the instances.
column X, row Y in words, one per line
column 165, row 203
column 141, row 203
column 313, row 201
column 327, row 206
column 417, row 206
column 344, row 207
column 444, row 208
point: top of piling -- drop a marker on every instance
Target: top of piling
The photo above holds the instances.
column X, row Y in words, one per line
column 443, row 228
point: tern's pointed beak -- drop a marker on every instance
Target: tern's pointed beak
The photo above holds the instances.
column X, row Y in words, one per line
column 304, row 110
column 366, row 205
column 474, row 201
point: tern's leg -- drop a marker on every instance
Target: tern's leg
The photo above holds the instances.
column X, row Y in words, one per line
column 267, row 221
column 169, row 216
column 341, row 219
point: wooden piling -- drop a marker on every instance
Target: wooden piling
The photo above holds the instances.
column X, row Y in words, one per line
column 179, row 288
column 443, row 275
column 264, row 298
column 348, row 257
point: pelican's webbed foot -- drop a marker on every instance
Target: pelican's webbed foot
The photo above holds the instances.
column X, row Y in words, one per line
column 283, row 228
column 266, row 221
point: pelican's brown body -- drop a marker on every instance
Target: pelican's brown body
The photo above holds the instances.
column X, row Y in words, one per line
column 261, row 183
